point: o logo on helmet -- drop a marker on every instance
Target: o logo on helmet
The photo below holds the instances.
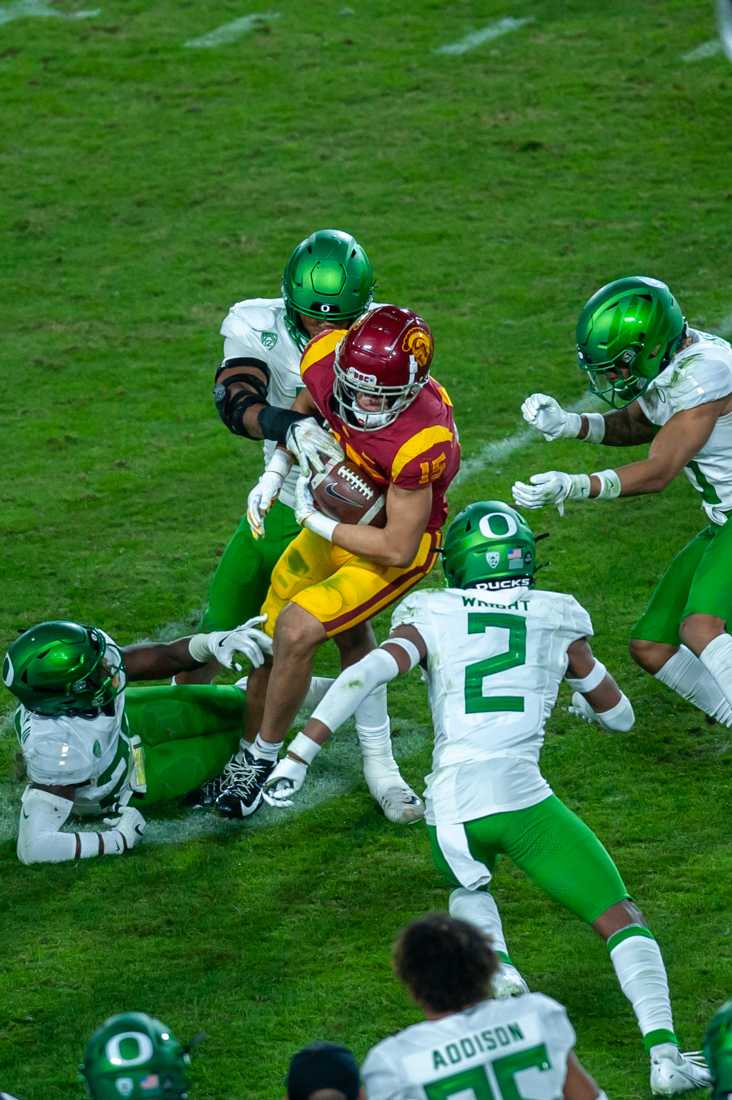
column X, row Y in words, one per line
column 507, row 522
column 143, row 1048
column 325, row 307
column 418, row 343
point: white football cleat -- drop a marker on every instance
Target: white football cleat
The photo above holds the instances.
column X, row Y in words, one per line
column 400, row 804
column 674, row 1072
column 507, row 982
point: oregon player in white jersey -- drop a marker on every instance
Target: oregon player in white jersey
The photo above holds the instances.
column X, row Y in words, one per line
column 671, row 385
column 471, row 1047
column 93, row 747
column 495, row 651
column 328, row 280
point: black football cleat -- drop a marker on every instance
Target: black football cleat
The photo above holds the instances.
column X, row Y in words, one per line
column 243, row 795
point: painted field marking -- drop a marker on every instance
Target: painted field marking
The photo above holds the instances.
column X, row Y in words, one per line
column 40, row 9
column 229, row 32
column 486, row 34
column 707, row 49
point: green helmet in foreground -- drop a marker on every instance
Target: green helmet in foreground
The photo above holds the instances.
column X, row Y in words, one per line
column 718, row 1051
column 626, row 335
column 62, row 667
column 488, row 541
column 133, row 1056
column 328, row 276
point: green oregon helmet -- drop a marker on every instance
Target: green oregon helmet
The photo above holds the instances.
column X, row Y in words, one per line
column 61, row 667
column 133, row 1056
column 328, row 276
column 718, row 1051
column 488, row 541
column 626, row 335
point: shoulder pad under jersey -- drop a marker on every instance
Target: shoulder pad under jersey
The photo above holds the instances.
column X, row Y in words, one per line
column 569, row 615
column 412, row 608
column 698, row 374
column 57, row 753
column 247, row 320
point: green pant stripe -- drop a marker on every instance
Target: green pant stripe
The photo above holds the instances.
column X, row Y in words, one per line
column 626, row 933
column 660, row 1035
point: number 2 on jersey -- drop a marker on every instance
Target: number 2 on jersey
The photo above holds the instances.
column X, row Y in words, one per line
column 478, row 623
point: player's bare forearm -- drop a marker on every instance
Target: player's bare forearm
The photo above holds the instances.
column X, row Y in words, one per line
column 624, row 428
column 304, row 403
column 151, row 661
column 407, row 513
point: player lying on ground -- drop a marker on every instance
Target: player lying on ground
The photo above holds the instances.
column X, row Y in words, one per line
column 495, row 651
column 92, row 747
column 135, row 1057
column 643, row 359
column 470, row 1045
column 328, row 281
column 372, row 386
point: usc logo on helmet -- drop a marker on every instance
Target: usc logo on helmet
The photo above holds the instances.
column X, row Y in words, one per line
column 418, row 343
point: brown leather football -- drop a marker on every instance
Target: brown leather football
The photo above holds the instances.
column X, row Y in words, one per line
column 345, row 493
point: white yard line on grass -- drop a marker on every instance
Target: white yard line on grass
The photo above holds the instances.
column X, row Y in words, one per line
column 40, row 9
column 229, row 32
column 707, row 49
column 485, row 34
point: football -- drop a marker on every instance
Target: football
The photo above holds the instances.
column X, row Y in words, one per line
column 345, row 493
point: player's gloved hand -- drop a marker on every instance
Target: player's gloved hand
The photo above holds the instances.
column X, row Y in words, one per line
column 226, row 645
column 130, row 823
column 284, row 782
column 312, row 446
column 548, row 417
column 553, row 487
column 266, row 491
column 307, row 513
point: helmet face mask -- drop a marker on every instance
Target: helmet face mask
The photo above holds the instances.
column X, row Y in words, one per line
column 133, row 1056
column 380, row 367
column 63, row 668
column 627, row 334
column 489, row 544
column 328, row 277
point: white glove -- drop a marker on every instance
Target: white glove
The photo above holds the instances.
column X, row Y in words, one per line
column 285, row 781
column 552, row 487
column 308, row 515
column 266, row 491
column 548, row 417
column 312, row 446
column 223, row 645
column 130, row 823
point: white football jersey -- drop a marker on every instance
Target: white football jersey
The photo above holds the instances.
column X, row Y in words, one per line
column 698, row 374
column 92, row 752
column 509, row 1048
column 495, row 661
column 256, row 328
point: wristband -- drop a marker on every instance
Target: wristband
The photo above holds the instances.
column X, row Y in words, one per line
column 572, row 425
column 595, row 428
column 304, row 747
column 579, row 487
column 275, row 422
column 593, row 679
column 321, row 525
column 198, row 648
column 609, row 484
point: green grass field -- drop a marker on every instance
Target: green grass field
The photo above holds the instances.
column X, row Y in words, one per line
column 145, row 187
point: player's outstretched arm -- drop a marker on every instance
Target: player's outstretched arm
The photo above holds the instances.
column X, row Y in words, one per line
column 395, row 657
column 158, row 661
column 621, row 428
column 43, row 813
column 596, row 696
column 672, row 448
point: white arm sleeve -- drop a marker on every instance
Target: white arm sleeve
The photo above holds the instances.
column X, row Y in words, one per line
column 349, row 690
column 40, row 840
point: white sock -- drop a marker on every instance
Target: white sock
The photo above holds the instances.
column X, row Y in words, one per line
column 686, row 674
column 374, row 732
column 478, row 908
column 266, row 750
column 318, row 687
column 717, row 657
column 638, row 963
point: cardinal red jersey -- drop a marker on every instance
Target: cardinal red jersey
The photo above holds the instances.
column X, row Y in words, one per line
column 421, row 447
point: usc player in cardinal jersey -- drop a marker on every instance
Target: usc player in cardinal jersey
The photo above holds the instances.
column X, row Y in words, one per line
column 372, row 386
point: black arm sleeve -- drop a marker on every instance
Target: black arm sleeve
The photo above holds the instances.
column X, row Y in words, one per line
column 231, row 398
column 274, row 422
